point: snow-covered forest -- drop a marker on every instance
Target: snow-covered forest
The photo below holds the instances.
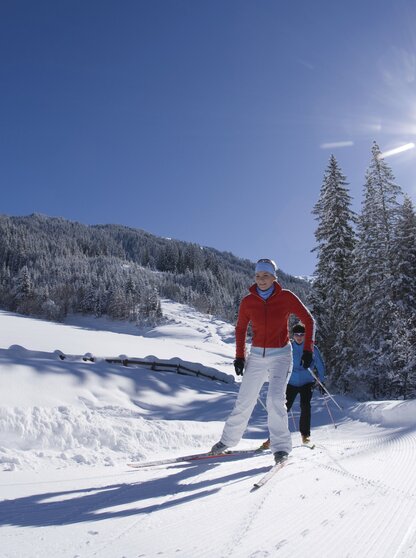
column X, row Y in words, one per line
column 51, row 267
column 364, row 290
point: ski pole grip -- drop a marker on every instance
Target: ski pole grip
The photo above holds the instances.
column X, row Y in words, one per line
column 324, row 388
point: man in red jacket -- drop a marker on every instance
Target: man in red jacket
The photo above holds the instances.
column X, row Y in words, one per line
column 268, row 308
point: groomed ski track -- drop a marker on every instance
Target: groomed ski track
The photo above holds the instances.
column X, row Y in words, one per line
column 336, row 517
column 354, row 496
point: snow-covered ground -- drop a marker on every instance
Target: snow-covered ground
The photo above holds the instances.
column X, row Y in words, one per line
column 68, row 429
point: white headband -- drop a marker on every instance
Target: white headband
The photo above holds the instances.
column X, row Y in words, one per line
column 267, row 266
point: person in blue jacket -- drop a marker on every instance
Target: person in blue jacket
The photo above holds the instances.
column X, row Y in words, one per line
column 302, row 382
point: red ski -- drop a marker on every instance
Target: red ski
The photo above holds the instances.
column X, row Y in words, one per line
column 195, row 457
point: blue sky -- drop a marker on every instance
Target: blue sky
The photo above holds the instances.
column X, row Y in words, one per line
column 205, row 121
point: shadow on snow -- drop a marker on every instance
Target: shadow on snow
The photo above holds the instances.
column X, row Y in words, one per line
column 95, row 503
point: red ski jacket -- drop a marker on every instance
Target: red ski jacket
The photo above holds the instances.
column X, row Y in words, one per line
column 269, row 320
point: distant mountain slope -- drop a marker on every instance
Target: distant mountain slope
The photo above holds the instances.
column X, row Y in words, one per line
column 50, row 267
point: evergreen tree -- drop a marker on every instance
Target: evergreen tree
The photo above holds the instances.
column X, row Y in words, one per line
column 373, row 303
column 400, row 379
column 23, row 291
column 404, row 261
column 117, row 307
column 331, row 291
column 404, row 295
column 150, row 308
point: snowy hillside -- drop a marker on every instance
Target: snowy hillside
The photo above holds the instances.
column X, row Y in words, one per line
column 69, row 427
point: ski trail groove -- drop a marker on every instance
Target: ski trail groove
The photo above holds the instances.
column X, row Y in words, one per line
column 251, row 515
column 145, row 520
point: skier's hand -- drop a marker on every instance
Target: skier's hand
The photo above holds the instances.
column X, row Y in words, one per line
column 306, row 359
column 321, row 388
column 239, row 366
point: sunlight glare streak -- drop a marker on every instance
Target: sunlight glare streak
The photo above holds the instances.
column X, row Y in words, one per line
column 335, row 144
column 397, row 150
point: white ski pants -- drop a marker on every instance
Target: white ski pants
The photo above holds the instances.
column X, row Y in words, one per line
column 275, row 366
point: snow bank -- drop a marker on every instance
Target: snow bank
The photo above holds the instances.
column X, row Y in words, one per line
column 69, row 406
column 385, row 413
column 62, row 408
column 67, row 435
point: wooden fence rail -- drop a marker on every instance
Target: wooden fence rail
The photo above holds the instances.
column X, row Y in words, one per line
column 164, row 367
column 156, row 365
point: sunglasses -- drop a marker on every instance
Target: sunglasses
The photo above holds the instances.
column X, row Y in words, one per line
column 299, row 334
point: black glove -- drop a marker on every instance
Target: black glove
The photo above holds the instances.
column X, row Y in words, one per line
column 306, row 359
column 239, row 366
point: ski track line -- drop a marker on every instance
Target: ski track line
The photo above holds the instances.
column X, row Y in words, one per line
column 266, row 543
column 368, row 443
column 233, row 545
column 264, row 494
column 386, row 519
column 143, row 517
column 390, row 516
column 149, row 517
column 237, row 498
column 205, row 540
column 394, row 512
column 387, row 512
column 251, row 516
column 73, row 514
column 401, row 464
column 339, row 514
column 402, row 552
column 404, row 443
column 349, row 530
column 360, row 537
column 364, row 481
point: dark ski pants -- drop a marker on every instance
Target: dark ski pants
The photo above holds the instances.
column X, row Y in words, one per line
column 305, row 393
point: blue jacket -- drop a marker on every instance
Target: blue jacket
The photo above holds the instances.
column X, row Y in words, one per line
column 300, row 376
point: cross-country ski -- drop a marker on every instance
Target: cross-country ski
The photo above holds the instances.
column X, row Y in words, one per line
column 270, row 474
column 196, row 457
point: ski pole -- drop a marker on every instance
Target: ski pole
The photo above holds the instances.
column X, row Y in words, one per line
column 265, row 408
column 329, row 410
column 261, row 403
column 324, row 388
column 293, row 419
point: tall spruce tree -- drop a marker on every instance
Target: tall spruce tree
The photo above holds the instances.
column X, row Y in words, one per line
column 373, row 303
column 404, row 260
column 404, row 293
column 331, row 292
